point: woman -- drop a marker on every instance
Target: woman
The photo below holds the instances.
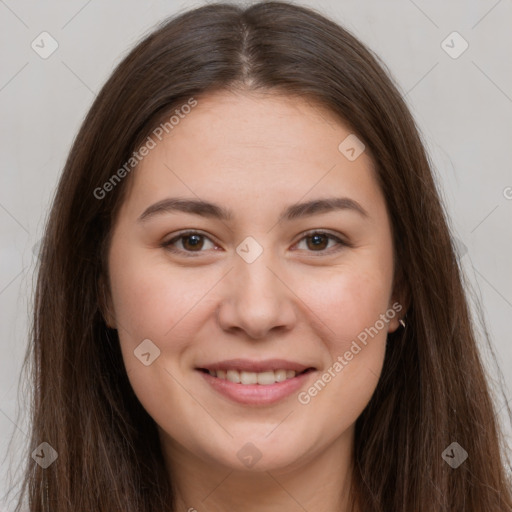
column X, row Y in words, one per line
column 248, row 294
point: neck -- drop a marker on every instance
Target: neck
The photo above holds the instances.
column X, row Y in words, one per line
column 319, row 482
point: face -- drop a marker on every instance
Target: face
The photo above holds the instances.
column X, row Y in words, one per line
column 280, row 283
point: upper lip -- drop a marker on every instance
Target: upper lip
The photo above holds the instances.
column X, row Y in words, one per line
column 248, row 365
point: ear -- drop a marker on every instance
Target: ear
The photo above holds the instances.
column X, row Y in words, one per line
column 105, row 303
column 399, row 303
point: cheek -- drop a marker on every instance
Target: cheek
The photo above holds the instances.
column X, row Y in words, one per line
column 357, row 315
column 344, row 389
column 150, row 296
column 153, row 301
column 353, row 304
column 356, row 344
column 350, row 299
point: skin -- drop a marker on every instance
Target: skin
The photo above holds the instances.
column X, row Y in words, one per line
column 256, row 154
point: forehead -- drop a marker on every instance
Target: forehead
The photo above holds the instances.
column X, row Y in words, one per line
column 237, row 146
column 240, row 126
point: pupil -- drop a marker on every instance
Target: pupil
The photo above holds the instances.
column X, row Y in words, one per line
column 318, row 238
column 196, row 240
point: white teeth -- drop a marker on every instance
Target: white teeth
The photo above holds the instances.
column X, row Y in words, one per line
column 280, row 375
column 248, row 378
column 262, row 378
column 266, row 378
column 233, row 376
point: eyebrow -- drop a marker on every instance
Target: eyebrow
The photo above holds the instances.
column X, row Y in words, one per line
column 212, row 210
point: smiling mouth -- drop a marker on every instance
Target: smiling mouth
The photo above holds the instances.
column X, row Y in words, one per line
column 264, row 378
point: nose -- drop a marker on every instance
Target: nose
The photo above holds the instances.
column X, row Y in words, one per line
column 256, row 299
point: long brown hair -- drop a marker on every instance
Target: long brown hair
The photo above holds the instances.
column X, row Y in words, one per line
column 432, row 391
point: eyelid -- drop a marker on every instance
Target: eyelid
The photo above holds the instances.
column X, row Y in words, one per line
column 182, row 234
column 339, row 239
column 341, row 242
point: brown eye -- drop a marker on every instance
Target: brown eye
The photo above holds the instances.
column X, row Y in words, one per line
column 187, row 243
column 193, row 242
column 318, row 241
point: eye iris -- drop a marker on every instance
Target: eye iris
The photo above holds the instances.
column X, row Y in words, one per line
column 318, row 241
column 195, row 244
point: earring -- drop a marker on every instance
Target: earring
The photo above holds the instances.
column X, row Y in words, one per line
column 402, row 323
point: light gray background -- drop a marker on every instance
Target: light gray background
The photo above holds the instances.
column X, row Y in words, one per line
column 463, row 107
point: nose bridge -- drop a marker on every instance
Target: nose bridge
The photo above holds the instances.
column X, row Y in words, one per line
column 255, row 299
column 252, row 266
column 256, row 279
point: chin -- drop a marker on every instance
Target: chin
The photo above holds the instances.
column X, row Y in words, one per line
column 258, row 454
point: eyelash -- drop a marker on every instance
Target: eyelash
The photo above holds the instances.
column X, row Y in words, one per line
column 168, row 244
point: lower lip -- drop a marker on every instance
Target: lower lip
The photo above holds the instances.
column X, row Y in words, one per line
column 256, row 394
